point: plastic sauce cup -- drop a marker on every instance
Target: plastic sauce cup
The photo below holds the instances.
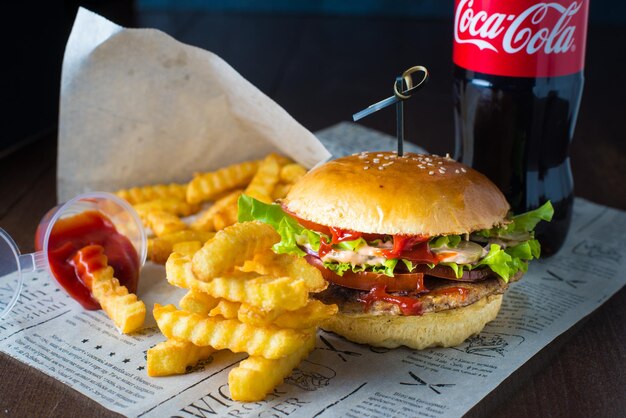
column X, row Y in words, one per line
column 14, row 265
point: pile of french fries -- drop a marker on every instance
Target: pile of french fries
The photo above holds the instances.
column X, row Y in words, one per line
column 244, row 298
column 161, row 207
column 241, row 296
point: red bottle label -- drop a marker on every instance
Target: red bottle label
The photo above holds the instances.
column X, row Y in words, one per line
column 521, row 38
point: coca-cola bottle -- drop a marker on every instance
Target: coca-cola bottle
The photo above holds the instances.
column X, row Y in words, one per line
column 518, row 69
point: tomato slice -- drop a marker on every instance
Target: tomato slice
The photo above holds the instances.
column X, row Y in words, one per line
column 411, row 282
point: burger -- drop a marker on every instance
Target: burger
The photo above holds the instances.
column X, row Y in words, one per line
column 417, row 249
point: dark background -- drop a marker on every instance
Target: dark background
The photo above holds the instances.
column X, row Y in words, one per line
column 34, row 36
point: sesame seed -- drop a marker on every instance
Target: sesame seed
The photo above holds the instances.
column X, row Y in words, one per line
column 463, row 170
column 421, row 166
column 366, row 168
column 440, row 162
column 431, row 173
column 381, row 167
column 430, row 164
column 441, row 171
column 379, row 155
column 376, row 160
column 456, row 171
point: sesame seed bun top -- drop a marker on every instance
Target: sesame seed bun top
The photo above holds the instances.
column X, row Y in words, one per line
column 379, row 192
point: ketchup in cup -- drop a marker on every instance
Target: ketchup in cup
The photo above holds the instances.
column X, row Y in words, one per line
column 69, row 235
column 97, row 218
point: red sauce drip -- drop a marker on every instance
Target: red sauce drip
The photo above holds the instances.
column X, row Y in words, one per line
column 340, row 235
column 325, row 248
column 461, row 291
column 69, row 235
column 407, row 305
column 411, row 247
column 88, row 260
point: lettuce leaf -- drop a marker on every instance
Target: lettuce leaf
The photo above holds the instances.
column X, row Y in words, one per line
column 499, row 262
column 507, row 262
column 449, row 241
column 340, row 268
column 504, row 262
column 523, row 224
column 292, row 234
column 458, row 269
column 351, row 245
column 526, row 222
column 386, row 268
column 527, row 250
column 409, row 265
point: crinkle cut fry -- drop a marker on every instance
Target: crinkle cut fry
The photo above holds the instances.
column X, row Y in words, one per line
column 292, row 173
column 308, row 316
column 187, row 248
column 269, row 342
column 198, row 302
column 174, row 356
column 161, row 247
column 231, row 247
column 281, row 190
column 207, row 186
column 226, row 309
column 143, row 194
column 256, row 376
column 127, row 312
column 263, row 182
column 269, row 263
column 163, row 223
column 263, row 292
column 169, row 205
column 222, row 207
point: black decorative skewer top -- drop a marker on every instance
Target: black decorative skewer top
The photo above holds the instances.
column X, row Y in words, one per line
column 402, row 89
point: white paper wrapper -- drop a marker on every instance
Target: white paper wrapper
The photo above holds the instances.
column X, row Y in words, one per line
column 139, row 107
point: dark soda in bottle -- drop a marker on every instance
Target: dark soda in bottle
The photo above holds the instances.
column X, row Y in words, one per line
column 518, row 71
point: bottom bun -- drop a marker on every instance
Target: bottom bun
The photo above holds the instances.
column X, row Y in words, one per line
column 437, row 329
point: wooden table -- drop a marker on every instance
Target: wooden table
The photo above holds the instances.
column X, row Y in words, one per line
column 321, row 70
